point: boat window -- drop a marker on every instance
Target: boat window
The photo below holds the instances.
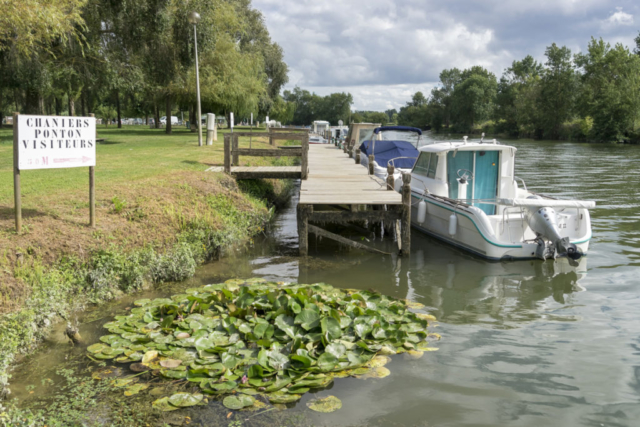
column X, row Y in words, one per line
column 484, row 185
column 433, row 165
column 422, row 164
column 365, row 135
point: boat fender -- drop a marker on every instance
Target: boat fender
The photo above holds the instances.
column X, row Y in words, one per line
column 422, row 211
column 453, row 224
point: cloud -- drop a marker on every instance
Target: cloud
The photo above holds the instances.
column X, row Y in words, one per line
column 382, row 51
column 619, row 18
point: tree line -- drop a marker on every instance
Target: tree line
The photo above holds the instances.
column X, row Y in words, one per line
column 592, row 96
column 136, row 58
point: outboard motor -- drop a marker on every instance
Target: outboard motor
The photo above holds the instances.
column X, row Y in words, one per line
column 544, row 222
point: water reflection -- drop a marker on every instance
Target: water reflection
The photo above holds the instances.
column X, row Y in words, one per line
column 525, row 343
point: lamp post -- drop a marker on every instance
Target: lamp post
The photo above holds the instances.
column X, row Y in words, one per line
column 194, row 18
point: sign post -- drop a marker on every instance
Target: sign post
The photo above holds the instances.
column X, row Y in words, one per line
column 16, row 175
column 53, row 142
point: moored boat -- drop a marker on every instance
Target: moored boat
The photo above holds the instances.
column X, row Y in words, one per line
column 466, row 193
column 391, row 145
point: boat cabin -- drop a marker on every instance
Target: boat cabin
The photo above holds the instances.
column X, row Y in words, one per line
column 358, row 132
column 467, row 172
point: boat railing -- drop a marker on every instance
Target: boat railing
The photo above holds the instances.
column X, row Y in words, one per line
column 522, row 181
column 392, row 163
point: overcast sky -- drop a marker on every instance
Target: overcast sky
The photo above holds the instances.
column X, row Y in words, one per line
column 383, row 51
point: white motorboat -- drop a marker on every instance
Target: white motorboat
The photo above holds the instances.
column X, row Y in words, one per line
column 467, row 194
column 391, row 145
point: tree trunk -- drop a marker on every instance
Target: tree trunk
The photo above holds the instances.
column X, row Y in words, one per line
column 156, row 111
column 34, row 102
column 72, row 106
column 58, row 106
column 146, row 119
column 118, row 109
column 168, row 114
column 192, row 118
column 83, row 106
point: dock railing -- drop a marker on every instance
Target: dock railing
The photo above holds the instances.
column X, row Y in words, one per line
column 232, row 151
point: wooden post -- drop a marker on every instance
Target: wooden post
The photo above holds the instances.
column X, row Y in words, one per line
column 304, row 161
column 16, row 175
column 227, row 153
column 272, row 141
column 391, row 182
column 234, row 149
column 303, row 212
column 371, row 160
column 92, row 187
column 406, row 213
column 357, row 156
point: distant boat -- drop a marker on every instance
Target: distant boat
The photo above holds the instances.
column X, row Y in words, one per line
column 391, row 145
column 466, row 193
column 316, row 139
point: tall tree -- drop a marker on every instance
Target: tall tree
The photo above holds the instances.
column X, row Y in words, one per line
column 611, row 94
column 559, row 86
column 473, row 98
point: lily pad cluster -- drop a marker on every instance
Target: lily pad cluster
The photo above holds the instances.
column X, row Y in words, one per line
column 245, row 338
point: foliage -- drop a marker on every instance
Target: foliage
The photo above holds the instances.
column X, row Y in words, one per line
column 310, row 107
column 30, row 25
column 611, row 89
column 590, row 96
column 248, row 337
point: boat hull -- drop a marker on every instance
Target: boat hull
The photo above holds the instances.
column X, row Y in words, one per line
column 475, row 233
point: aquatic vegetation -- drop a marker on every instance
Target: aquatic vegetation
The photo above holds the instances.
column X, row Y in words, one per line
column 245, row 338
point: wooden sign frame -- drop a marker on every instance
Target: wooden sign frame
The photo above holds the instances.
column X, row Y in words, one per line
column 16, row 180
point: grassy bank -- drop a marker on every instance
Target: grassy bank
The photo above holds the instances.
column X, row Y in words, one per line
column 159, row 216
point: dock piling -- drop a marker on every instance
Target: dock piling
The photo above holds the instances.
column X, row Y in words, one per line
column 406, row 214
column 227, row 153
column 357, row 156
column 391, row 182
column 371, row 160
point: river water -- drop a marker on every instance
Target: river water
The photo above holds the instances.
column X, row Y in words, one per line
column 526, row 343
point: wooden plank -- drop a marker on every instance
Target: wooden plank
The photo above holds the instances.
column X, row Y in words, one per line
column 262, row 152
column 342, row 216
column 324, row 233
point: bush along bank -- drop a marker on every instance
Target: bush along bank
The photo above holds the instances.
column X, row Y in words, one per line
column 202, row 228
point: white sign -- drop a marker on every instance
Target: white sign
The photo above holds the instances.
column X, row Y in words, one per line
column 50, row 142
column 251, row 119
column 231, row 119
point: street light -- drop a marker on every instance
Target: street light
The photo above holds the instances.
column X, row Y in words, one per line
column 194, row 18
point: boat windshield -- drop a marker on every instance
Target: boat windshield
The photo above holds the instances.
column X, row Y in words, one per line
column 392, row 135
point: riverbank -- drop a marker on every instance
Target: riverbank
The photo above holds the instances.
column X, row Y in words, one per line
column 159, row 215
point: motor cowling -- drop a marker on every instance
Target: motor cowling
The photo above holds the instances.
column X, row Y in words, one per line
column 544, row 222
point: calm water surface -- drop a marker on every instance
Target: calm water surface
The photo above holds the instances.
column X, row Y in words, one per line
column 525, row 343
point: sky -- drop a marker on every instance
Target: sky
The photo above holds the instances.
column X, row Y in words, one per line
column 383, row 51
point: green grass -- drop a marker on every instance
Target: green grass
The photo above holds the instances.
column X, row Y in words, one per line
column 130, row 154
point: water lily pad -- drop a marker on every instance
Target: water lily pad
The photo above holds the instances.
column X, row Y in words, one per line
column 135, row 389
column 378, row 361
column 163, row 405
column 414, row 305
column 123, row 382
column 170, row 363
column 149, row 356
column 424, row 316
column 379, row 372
column 184, row 400
column 414, row 354
column 96, row 348
column 325, row 405
column 283, row 397
column 238, row 402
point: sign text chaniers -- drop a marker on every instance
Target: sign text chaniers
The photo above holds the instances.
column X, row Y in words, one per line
column 47, row 142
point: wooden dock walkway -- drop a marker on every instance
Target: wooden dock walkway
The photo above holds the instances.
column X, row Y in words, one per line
column 334, row 188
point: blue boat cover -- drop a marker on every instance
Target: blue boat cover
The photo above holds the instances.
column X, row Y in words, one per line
column 404, row 128
column 383, row 151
